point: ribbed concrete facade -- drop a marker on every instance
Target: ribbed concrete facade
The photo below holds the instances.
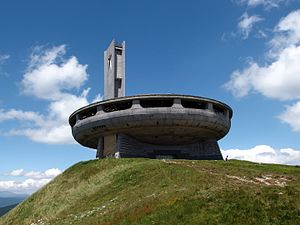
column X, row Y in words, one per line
column 129, row 147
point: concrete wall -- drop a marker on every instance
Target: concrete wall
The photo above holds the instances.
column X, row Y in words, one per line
column 128, row 147
column 114, row 71
column 153, row 130
column 110, row 145
column 162, row 125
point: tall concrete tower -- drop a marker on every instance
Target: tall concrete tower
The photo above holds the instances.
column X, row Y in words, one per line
column 114, row 70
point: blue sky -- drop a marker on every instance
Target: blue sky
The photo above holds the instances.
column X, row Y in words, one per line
column 245, row 53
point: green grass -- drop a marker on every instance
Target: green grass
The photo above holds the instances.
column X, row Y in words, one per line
column 145, row 191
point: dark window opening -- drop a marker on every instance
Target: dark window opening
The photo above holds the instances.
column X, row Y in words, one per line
column 193, row 104
column 72, row 121
column 109, row 62
column 219, row 110
column 88, row 113
column 111, row 107
column 152, row 103
column 118, row 51
column 99, row 127
column 119, row 82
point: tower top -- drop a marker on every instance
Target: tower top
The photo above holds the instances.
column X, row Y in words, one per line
column 114, row 70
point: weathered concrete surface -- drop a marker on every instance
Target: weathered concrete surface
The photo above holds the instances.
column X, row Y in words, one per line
column 110, row 145
column 129, row 147
column 114, row 71
column 157, row 126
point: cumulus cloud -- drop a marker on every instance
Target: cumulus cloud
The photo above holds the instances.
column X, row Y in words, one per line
column 279, row 77
column 32, row 180
column 49, row 75
column 246, row 24
column 17, row 172
column 27, row 186
column 265, row 154
column 287, row 33
column 14, row 114
column 50, row 173
column 52, row 77
column 291, row 116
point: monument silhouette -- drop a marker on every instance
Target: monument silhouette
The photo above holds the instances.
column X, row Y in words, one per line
column 149, row 125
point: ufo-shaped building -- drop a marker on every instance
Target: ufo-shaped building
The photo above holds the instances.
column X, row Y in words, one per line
column 150, row 125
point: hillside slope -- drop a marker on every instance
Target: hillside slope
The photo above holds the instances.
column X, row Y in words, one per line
column 145, row 191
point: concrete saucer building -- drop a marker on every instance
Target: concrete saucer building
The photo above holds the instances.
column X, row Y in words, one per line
column 150, row 125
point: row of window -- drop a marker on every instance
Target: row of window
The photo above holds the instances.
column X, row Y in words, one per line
column 149, row 103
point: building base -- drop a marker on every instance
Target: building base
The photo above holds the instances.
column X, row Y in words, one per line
column 128, row 147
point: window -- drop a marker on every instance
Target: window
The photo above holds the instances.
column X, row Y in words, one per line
column 219, row 110
column 153, row 103
column 111, row 107
column 193, row 104
column 88, row 113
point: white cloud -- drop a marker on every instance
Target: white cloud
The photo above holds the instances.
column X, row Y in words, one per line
column 49, row 75
column 279, row 78
column 14, row 114
column 32, row 181
column 287, row 33
column 3, row 58
column 291, row 116
column 27, row 186
column 17, row 172
column 268, row 4
column 50, row 173
column 97, row 98
column 265, row 154
column 52, row 77
column 261, row 34
column 246, row 24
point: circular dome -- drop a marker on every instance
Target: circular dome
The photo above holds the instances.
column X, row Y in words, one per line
column 159, row 119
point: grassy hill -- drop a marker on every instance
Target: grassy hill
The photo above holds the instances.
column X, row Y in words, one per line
column 145, row 191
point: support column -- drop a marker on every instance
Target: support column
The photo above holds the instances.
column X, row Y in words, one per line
column 99, row 109
column 100, row 148
column 177, row 103
column 211, row 150
column 227, row 115
column 136, row 104
column 210, row 106
column 110, row 145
